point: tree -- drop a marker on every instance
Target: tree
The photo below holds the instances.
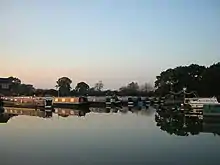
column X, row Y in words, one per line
column 98, row 86
column 211, row 81
column 16, row 82
column 39, row 92
column 146, row 87
column 131, row 89
column 82, row 88
column 133, row 86
column 64, row 86
column 176, row 79
column 26, row 89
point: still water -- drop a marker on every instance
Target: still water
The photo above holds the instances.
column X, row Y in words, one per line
column 99, row 136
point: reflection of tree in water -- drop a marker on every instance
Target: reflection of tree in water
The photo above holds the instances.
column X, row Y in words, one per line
column 147, row 112
column 174, row 122
column 28, row 112
column 48, row 114
column 115, row 110
column 83, row 112
column 107, row 110
column 100, row 110
column 123, row 110
column 4, row 118
column 79, row 113
column 194, row 125
column 63, row 115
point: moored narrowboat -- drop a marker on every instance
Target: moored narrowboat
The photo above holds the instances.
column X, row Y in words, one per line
column 24, row 102
column 46, row 103
column 29, row 102
column 69, row 102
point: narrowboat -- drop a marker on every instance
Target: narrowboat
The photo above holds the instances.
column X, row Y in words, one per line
column 29, row 102
column 69, row 102
column 24, row 102
column 113, row 101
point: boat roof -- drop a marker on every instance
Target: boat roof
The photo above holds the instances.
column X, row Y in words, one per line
column 202, row 98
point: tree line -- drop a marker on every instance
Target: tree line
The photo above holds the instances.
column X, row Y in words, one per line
column 204, row 81
column 82, row 88
column 64, row 85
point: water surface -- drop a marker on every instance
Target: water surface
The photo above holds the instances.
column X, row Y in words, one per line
column 103, row 137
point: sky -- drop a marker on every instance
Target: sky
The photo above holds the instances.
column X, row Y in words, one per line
column 116, row 41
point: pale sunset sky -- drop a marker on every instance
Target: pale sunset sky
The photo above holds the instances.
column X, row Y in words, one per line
column 116, row 41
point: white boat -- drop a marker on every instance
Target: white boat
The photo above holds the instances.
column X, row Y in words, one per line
column 199, row 102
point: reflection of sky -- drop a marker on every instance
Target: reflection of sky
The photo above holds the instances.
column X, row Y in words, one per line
column 100, row 138
column 113, row 41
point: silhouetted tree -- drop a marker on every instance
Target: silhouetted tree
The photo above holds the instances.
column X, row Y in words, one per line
column 82, row 88
column 176, row 79
column 39, row 92
column 16, row 82
column 132, row 89
column 146, row 87
column 64, row 86
column 26, row 89
column 210, row 85
column 44, row 92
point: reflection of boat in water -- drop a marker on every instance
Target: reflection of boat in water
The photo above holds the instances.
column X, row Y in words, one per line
column 100, row 110
column 113, row 101
column 64, row 112
column 175, row 122
column 11, row 112
column 26, row 111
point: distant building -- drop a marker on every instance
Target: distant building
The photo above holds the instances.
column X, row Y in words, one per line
column 5, row 84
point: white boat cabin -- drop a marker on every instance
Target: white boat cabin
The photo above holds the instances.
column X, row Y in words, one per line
column 199, row 102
